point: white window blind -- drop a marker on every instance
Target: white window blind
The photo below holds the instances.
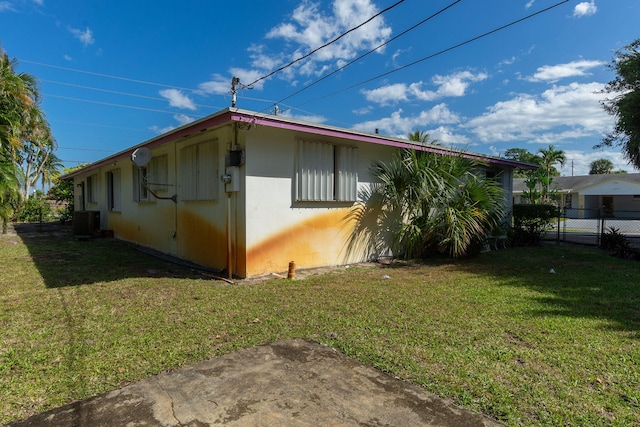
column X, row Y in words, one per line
column 325, row 172
column 199, row 171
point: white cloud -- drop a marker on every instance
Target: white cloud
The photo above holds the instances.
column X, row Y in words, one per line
column 398, row 125
column 529, row 4
column 305, row 117
column 67, row 58
column 311, row 27
column 560, row 113
column 579, row 162
column 183, row 119
column 389, row 94
column 552, row 73
column 178, row 99
column 453, row 85
column 218, row 85
column 6, row 6
column 85, row 37
column 585, row 9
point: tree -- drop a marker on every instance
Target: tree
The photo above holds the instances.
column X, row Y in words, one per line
column 601, row 167
column 521, row 155
column 625, row 103
column 548, row 158
column 432, row 203
column 421, row 136
column 26, row 143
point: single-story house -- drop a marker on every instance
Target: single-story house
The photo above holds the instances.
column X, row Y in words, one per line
column 585, row 196
column 243, row 192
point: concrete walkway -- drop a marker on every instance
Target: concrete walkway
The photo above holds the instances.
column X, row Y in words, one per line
column 287, row 383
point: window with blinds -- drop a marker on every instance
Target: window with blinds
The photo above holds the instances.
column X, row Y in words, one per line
column 325, row 172
column 92, row 189
column 114, row 191
column 153, row 177
column 199, row 171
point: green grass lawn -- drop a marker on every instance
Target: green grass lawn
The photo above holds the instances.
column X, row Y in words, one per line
column 499, row 333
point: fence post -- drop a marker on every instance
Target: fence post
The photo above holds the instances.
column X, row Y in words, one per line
column 558, row 230
column 600, row 226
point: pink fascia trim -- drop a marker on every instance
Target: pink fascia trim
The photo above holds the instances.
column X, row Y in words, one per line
column 235, row 115
column 362, row 137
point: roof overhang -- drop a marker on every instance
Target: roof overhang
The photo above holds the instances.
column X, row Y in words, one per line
column 251, row 118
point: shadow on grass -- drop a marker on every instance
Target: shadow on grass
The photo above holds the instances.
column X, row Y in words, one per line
column 570, row 281
column 64, row 260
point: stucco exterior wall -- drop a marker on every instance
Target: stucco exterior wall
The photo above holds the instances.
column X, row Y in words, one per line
column 279, row 229
column 191, row 230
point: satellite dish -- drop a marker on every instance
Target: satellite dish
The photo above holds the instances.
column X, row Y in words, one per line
column 141, row 157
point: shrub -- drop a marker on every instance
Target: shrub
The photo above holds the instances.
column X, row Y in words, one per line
column 613, row 240
column 34, row 209
column 530, row 222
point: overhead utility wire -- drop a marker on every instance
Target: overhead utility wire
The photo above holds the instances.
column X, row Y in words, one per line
column 109, row 104
column 326, row 44
column 106, row 75
column 371, row 51
column 432, row 55
column 120, row 93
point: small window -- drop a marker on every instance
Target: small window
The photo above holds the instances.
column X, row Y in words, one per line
column 92, row 189
column 151, row 178
column 326, row 172
column 113, row 191
column 199, row 171
column 140, row 179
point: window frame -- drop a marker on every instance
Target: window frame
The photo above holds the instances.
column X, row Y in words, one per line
column 92, row 188
column 325, row 172
column 114, row 190
column 199, row 171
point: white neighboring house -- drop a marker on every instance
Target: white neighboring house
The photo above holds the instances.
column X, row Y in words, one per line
column 584, row 196
column 244, row 192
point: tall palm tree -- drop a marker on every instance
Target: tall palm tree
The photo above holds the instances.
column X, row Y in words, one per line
column 549, row 157
column 438, row 203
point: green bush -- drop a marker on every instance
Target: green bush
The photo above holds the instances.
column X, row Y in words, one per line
column 34, row 209
column 616, row 242
column 530, row 222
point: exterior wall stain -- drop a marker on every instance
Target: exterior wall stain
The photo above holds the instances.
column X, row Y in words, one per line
column 314, row 242
column 200, row 241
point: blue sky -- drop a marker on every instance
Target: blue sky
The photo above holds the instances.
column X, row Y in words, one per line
column 116, row 73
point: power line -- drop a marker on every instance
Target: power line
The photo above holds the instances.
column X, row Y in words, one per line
column 427, row 57
column 110, row 104
column 107, row 75
column 372, row 50
column 121, row 93
column 85, row 149
column 326, row 44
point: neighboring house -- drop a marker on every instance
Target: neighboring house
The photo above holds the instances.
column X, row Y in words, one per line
column 244, row 192
column 584, row 196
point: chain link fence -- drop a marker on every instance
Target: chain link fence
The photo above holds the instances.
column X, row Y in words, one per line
column 587, row 226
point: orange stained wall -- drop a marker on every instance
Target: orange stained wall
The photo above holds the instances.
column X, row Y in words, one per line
column 319, row 240
column 202, row 240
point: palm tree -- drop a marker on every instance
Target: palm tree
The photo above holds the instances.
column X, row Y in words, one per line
column 422, row 137
column 433, row 204
column 601, row 167
column 548, row 158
